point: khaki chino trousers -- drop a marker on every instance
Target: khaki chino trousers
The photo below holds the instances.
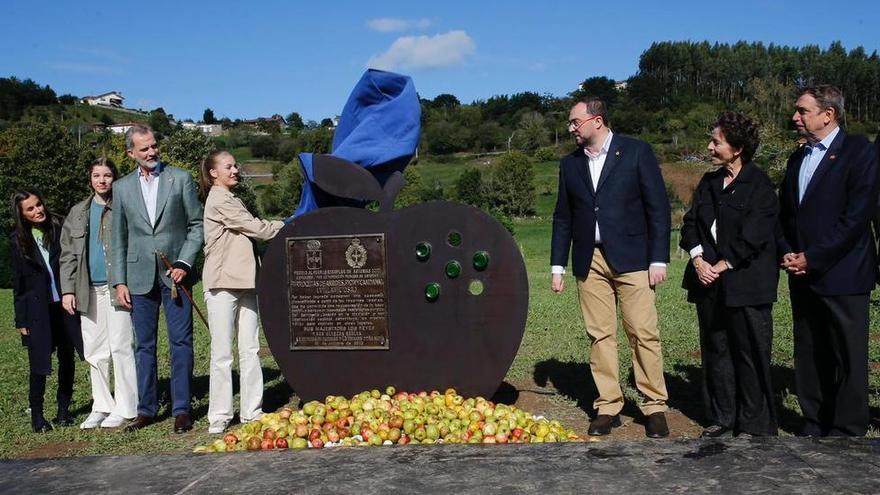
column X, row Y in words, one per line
column 599, row 294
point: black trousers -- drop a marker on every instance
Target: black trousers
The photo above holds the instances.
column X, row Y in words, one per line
column 831, row 362
column 735, row 346
column 66, row 363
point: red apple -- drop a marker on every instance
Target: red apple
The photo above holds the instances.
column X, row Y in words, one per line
column 280, row 443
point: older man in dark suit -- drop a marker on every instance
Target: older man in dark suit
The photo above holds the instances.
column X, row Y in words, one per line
column 613, row 214
column 827, row 199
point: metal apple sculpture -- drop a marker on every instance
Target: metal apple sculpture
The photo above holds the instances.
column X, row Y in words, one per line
column 426, row 297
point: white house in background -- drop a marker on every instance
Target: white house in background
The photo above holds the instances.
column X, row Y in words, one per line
column 212, row 130
column 120, row 128
column 111, row 99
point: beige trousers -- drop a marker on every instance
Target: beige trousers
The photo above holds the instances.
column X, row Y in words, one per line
column 600, row 293
column 232, row 312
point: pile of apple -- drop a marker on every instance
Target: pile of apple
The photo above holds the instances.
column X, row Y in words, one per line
column 373, row 418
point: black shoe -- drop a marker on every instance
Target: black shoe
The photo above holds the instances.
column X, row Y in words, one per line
column 602, row 424
column 39, row 423
column 655, row 426
column 715, row 431
column 63, row 418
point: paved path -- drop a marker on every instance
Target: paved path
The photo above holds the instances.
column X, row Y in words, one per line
column 778, row 466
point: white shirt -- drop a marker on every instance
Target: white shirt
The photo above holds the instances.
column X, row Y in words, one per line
column 596, row 162
column 150, row 191
column 813, row 155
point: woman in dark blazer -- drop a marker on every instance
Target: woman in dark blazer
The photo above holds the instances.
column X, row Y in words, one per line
column 729, row 233
column 43, row 324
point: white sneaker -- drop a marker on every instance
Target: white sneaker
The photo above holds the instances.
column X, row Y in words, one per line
column 113, row 421
column 218, row 426
column 255, row 418
column 93, row 421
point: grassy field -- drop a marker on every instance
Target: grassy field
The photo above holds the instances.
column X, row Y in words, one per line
column 554, row 353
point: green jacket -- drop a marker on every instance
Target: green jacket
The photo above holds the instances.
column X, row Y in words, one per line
column 74, row 258
column 177, row 233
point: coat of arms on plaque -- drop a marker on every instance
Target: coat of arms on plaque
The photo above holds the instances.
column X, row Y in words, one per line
column 313, row 254
column 356, row 254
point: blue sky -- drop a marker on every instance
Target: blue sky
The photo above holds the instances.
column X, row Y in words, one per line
column 250, row 59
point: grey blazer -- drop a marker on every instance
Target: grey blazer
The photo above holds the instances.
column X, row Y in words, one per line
column 177, row 233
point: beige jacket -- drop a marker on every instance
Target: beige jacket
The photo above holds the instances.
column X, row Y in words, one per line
column 230, row 262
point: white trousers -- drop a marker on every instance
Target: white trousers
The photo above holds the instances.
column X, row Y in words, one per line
column 107, row 336
column 228, row 311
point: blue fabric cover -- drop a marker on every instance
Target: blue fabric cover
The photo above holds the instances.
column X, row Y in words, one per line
column 379, row 130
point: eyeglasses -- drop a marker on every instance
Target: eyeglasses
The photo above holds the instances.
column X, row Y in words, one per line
column 576, row 124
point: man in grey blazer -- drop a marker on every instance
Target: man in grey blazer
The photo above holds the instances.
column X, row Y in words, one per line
column 157, row 210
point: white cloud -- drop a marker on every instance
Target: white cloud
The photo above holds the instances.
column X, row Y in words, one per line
column 390, row 24
column 442, row 50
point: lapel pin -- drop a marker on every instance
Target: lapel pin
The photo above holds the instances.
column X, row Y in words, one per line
column 832, row 157
column 616, row 153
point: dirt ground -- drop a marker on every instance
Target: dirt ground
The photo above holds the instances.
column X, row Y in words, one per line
column 548, row 402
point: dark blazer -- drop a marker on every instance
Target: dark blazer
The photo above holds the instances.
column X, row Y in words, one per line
column 832, row 223
column 629, row 203
column 747, row 212
column 30, row 289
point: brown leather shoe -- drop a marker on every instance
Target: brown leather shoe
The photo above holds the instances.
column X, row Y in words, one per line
column 182, row 423
column 138, row 423
column 602, row 424
column 655, row 426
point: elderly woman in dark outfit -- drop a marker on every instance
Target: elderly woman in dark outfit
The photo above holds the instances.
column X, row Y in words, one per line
column 732, row 277
column 44, row 326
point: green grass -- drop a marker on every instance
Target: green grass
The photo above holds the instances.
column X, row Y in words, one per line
column 554, row 351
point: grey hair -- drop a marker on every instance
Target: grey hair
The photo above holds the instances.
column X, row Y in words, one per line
column 135, row 129
column 827, row 96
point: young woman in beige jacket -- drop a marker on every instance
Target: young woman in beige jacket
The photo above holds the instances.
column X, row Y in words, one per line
column 229, row 278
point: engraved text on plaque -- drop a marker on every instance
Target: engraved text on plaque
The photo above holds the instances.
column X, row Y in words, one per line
column 337, row 290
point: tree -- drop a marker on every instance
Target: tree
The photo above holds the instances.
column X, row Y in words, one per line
column 43, row 157
column 281, row 197
column 160, row 122
column 208, row 116
column 469, row 188
column 328, row 122
column 263, row 147
column 445, row 101
column 531, row 132
column 17, row 95
column 315, row 140
column 295, row 121
column 510, row 187
column 444, row 137
column 186, row 149
column 67, row 99
column 600, row 87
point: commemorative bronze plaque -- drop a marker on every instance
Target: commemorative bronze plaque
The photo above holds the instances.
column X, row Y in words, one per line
column 338, row 293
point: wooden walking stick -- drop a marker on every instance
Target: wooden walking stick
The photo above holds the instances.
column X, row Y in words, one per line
column 189, row 296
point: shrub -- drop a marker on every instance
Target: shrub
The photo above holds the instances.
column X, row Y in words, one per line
column 546, row 154
column 469, row 187
column 511, row 185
